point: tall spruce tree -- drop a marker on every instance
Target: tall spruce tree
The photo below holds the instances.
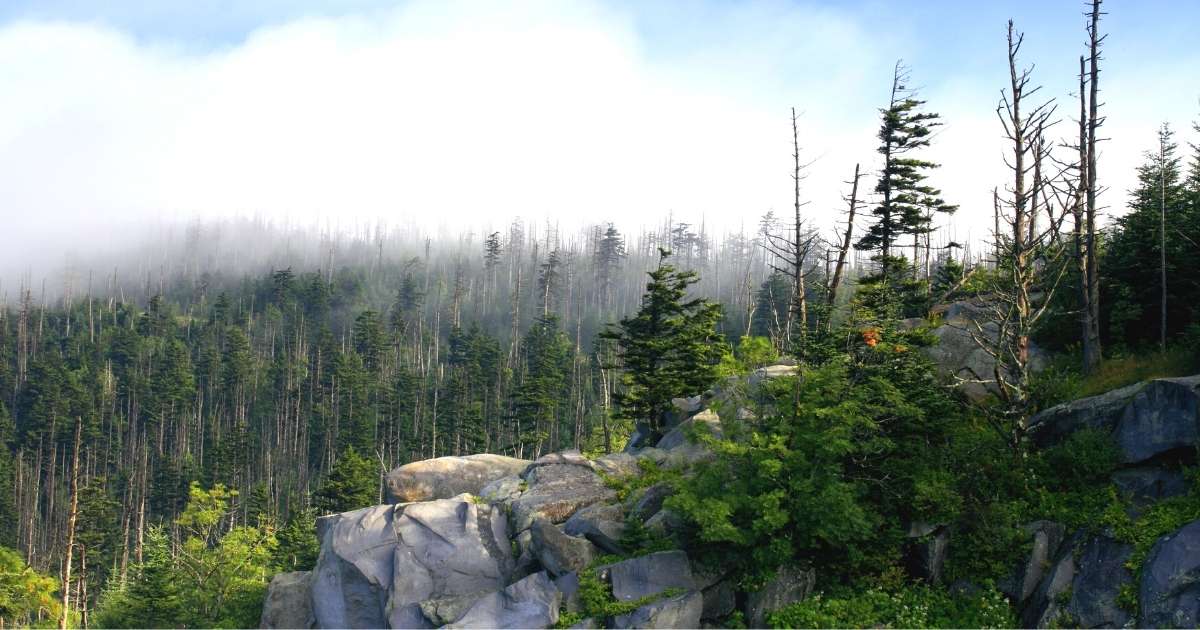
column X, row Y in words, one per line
column 668, row 349
column 906, row 204
column 1131, row 283
column 352, row 483
column 540, row 397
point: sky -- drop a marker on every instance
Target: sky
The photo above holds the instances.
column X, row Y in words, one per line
column 468, row 113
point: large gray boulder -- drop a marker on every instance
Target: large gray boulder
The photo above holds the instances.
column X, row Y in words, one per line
column 532, row 602
column 1101, row 576
column 681, row 448
column 1045, row 607
column 446, row 548
column 503, row 490
column 958, row 354
column 649, row 575
column 1144, row 485
column 377, row 565
column 1047, row 537
column 680, row 611
column 602, row 524
column 558, row 552
column 1170, row 588
column 790, row 585
column 925, row 555
column 1145, row 420
column 619, row 464
column 651, row 500
column 352, row 581
column 287, row 604
column 556, row 491
column 446, row 477
column 1161, row 418
column 1081, row 588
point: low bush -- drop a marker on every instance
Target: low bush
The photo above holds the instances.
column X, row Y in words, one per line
column 912, row 606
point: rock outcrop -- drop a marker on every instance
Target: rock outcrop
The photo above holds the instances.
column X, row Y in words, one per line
column 1156, row 426
column 1147, row 420
column 446, row 477
column 377, row 565
column 511, row 549
column 556, row 490
column 957, row 354
column 1170, row 590
column 287, row 602
column 789, row 586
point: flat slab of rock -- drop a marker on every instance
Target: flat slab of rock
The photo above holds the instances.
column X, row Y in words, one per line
column 532, row 602
column 287, row 604
column 447, row 477
column 1145, row 419
column 681, row 611
column 555, row 492
column 649, row 575
column 1170, row 588
column 772, row 372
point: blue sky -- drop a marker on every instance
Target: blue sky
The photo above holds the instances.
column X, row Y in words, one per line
column 359, row 109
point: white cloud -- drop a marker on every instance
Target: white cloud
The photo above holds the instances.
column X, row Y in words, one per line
column 467, row 113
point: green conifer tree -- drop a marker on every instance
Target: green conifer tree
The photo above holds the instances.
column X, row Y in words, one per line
column 906, row 205
column 353, row 483
column 668, row 349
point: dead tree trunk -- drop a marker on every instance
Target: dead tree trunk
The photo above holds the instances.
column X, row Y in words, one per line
column 1091, row 347
column 71, row 517
column 844, row 248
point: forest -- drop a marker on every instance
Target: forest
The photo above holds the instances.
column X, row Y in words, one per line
column 174, row 421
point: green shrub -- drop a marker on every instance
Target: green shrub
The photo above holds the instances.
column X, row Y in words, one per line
column 915, row 606
column 1086, row 458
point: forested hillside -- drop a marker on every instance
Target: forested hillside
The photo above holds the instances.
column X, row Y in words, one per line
column 174, row 420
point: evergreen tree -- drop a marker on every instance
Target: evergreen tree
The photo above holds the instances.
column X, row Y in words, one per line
column 369, row 340
column 298, row 545
column 153, row 597
column 492, row 251
column 8, row 508
column 906, row 204
column 539, row 398
column 610, row 250
column 668, row 349
column 353, row 483
column 1131, row 270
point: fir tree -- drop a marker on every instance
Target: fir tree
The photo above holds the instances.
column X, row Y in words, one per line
column 668, row 348
column 906, row 204
column 353, row 483
column 539, row 398
column 1131, row 282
